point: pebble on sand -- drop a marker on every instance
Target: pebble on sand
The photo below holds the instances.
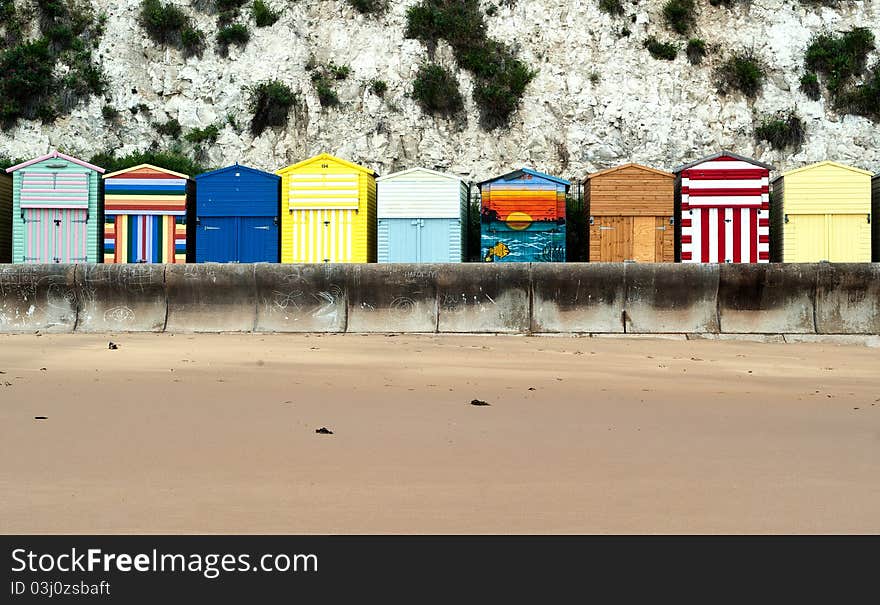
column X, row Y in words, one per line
column 479, row 402
column 324, row 431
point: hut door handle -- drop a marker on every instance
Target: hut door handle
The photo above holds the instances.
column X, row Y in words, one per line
column 57, row 222
column 264, row 228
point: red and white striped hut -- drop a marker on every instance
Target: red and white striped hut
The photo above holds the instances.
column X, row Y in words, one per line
column 723, row 205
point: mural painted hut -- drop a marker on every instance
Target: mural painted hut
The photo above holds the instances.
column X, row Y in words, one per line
column 55, row 213
column 237, row 216
column 422, row 217
column 328, row 212
column 5, row 218
column 631, row 209
column 822, row 212
column 723, row 204
column 523, row 217
column 145, row 218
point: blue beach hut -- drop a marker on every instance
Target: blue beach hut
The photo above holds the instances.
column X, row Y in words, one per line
column 237, row 216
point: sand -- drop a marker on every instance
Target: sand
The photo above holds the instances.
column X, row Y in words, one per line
column 216, row 434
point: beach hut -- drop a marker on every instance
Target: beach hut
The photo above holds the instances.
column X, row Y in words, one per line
column 237, row 216
column 5, row 218
column 723, row 205
column 328, row 212
column 145, row 211
column 523, row 217
column 422, row 217
column 631, row 210
column 875, row 217
column 55, row 216
column 822, row 212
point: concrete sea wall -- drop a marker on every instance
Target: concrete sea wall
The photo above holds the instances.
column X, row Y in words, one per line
column 589, row 298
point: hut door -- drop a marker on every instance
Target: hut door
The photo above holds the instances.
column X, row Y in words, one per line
column 39, row 228
column 809, row 234
column 644, row 234
column 848, row 238
column 258, row 239
column 70, row 235
column 217, row 239
column 616, row 238
column 335, row 236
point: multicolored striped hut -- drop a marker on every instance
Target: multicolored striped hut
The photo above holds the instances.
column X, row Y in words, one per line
column 145, row 211
column 723, row 201
column 55, row 210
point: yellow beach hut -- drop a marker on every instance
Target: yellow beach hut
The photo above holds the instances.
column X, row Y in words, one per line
column 822, row 212
column 328, row 212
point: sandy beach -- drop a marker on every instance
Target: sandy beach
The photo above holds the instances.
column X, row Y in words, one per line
column 216, row 434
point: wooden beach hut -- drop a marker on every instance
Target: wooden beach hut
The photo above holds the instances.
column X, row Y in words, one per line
column 328, row 212
column 523, row 217
column 5, row 218
column 631, row 210
column 55, row 213
column 822, row 212
column 422, row 217
column 237, row 216
column 145, row 215
column 723, row 205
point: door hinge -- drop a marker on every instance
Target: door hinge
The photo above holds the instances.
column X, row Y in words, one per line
column 663, row 228
column 591, row 220
column 605, row 228
column 198, row 221
column 275, row 220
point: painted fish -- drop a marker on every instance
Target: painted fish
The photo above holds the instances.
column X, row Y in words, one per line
column 499, row 250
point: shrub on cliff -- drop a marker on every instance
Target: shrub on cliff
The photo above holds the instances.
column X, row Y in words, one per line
column 369, row 7
column 695, row 50
column 237, row 34
column 501, row 78
column 839, row 58
column 168, row 24
column 263, row 14
column 436, row 91
column 665, row 51
column 742, row 72
column 270, row 104
column 809, row 85
column 679, row 15
column 781, row 130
